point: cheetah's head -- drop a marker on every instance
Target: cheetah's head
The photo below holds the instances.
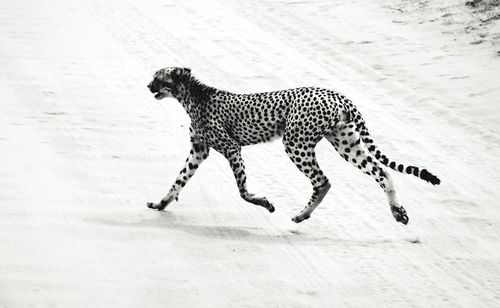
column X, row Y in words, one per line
column 166, row 80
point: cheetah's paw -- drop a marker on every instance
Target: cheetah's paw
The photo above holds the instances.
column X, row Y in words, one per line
column 400, row 214
column 162, row 205
column 301, row 217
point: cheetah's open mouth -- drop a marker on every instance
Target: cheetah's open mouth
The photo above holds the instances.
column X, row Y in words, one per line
column 165, row 90
column 162, row 93
column 161, row 88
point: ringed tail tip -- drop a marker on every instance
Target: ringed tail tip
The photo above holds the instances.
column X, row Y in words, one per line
column 429, row 177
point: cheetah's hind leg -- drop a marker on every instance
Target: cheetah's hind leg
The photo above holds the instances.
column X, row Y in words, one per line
column 347, row 142
column 320, row 193
column 304, row 157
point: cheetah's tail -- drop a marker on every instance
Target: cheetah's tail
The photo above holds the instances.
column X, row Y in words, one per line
column 416, row 171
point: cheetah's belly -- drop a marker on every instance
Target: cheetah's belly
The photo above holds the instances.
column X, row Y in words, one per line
column 252, row 131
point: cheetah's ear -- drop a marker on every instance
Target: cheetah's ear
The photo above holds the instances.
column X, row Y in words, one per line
column 181, row 71
column 177, row 71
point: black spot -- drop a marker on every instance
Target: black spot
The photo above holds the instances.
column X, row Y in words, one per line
column 400, row 168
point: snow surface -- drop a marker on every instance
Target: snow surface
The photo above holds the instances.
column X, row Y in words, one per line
column 84, row 146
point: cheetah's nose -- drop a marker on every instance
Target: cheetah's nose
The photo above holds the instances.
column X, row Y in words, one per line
column 150, row 85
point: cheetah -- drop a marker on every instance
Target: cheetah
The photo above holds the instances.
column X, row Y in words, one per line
column 226, row 122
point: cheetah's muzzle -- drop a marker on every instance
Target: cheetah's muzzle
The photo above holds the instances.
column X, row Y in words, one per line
column 160, row 88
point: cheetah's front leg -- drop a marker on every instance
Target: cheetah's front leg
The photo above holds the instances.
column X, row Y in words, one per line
column 233, row 155
column 199, row 152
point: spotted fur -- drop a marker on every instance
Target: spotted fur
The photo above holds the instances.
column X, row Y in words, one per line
column 225, row 122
